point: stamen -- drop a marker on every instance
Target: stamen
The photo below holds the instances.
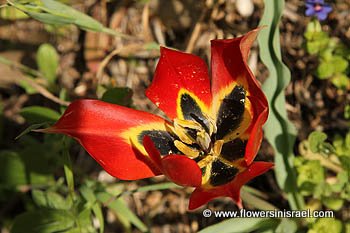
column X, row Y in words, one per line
column 206, row 161
column 187, row 124
column 187, row 150
column 217, row 147
column 203, row 139
column 182, row 133
column 212, row 124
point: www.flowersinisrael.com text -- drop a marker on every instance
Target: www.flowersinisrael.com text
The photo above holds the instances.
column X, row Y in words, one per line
column 243, row 213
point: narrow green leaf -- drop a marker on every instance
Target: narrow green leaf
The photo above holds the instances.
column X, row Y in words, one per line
column 96, row 209
column 80, row 19
column 278, row 130
column 88, row 194
column 153, row 187
column 50, row 200
column 36, row 114
column 43, row 221
column 56, row 13
column 12, row 169
column 256, row 201
column 68, row 168
column 287, row 225
column 11, row 13
column 30, row 128
column 122, row 210
column 242, row 225
column 47, row 60
column 1, row 121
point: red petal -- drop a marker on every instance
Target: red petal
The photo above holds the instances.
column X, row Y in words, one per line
column 175, row 72
column 254, row 170
column 200, row 196
column 229, row 64
column 152, row 151
column 255, row 131
column 182, row 170
column 102, row 129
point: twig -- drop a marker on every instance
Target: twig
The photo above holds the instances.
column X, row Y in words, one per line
column 147, row 33
column 157, row 25
column 198, row 27
column 123, row 50
column 3, row 6
column 43, row 91
column 195, row 34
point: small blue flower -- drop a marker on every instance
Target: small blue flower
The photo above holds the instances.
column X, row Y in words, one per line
column 317, row 8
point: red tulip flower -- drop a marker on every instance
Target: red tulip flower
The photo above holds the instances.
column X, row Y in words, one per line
column 214, row 132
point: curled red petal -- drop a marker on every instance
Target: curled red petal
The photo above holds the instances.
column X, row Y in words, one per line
column 102, row 129
column 179, row 72
column 229, row 65
column 178, row 168
column 255, row 130
column 201, row 196
column 182, row 170
column 152, row 151
column 254, row 170
column 229, row 68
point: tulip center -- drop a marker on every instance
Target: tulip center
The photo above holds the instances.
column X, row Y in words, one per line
column 196, row 139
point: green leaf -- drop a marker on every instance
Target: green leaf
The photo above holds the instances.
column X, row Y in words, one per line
column 345, row 162
column 122, row 210
column 316, row 139
column 118, row 95
column 255, row 201
column 326, row 225
column 48, row 59
column 310, row 175
column 1, row 121
column 96, row 209
column 347, row 112
column 278, row 130
column 43, row 221
column 88, row 194
column 27, row 87
column 29, row 129
column 331, row 66
column 339, row 64
column 11, row 13
column 56, row 13
column 325, row 70
column 341, row 81
column 50, row 200
column 242, row 225
column 287, row 225
column 152, row 187
column 317, row 40
column 347, row 227
column 80, row 19
column 333, row 203
column 38, row 114
column 39, row 164
column 68, row 168
column 84, row 221
column 12, row 169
